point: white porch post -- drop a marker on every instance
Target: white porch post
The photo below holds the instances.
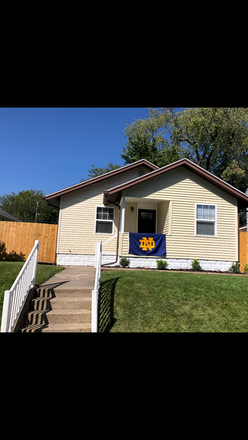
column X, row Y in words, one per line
column 122, row 215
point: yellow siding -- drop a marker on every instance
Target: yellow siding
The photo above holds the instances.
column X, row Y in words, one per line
column 184, row 189
column 130, row 217
column 163, row 217
column 178, row 191
column 77, row 217
column 124, row 238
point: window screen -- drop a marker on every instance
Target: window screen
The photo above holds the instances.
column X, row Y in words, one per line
column 104, row 227
column 205, row 228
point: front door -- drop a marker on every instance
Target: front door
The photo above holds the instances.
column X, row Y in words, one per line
column 147, row 221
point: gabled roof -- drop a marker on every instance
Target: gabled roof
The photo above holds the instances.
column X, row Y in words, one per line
column 114, row 193
column 4, row 216
column 53, row 198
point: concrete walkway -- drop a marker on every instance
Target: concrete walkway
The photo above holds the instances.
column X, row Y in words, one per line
column 73, row 278
column 63, row 303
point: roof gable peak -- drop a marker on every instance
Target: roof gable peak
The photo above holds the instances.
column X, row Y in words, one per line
column 87, row 182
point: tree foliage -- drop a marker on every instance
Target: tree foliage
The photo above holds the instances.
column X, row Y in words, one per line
column 24, row 204
column 214, row 138
column 94, row 171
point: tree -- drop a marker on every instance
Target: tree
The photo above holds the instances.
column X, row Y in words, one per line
column 214, row 138
column 94, row 171
column 24, row 206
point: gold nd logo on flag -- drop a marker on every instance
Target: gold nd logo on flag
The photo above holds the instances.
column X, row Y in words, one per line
column 147, row 243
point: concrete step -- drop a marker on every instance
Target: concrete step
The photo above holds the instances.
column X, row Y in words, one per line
column 73, row 292
column 66, row 316
column 37, row 316
column 32, row 328
column 50, row 293
column 42, row 303
column 71, row 303
column 67, row 327
column 50, row 303
column 45, row 293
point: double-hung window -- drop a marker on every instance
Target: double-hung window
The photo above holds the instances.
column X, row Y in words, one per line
column 104, row 220
column 205, row 220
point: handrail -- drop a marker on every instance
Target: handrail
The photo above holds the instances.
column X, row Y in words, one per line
column 95, row 292
column 14, row 298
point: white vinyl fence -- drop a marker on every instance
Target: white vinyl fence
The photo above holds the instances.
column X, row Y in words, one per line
column 14, row 298
column 95, row 292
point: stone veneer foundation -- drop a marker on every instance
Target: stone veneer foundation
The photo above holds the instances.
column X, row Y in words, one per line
column 173, row 263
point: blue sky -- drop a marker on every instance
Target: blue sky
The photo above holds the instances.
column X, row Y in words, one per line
column 48, row 149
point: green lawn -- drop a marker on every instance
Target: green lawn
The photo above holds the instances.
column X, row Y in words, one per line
column 10, row 269
column 160, row 301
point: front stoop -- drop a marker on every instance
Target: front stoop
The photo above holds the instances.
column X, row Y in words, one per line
column 59, row 311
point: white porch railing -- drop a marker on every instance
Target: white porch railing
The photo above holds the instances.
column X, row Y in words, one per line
column 95, row 292
column 14, row 298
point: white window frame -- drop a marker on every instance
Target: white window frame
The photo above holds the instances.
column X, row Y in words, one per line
column 102, row 220
column 204, row 220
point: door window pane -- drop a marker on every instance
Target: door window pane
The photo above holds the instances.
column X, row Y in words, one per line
column 146, row 215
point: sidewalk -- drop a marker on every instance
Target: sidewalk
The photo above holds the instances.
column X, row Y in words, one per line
column 73, row 278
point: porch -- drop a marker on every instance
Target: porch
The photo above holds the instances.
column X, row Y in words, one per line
column 143, row 215
column 146, row 215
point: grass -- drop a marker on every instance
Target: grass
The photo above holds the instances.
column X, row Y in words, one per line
column 152, row 301
column 9, row 271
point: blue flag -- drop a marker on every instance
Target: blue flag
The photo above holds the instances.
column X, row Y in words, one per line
column 146, row 244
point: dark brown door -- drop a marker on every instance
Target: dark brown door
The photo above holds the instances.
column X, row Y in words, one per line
column 147, row 221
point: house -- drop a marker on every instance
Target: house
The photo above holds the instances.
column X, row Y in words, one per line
column 4, row 216
column 193, row 210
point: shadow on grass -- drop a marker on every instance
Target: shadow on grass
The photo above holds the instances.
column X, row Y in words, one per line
column 12, row 256
column 106, row 305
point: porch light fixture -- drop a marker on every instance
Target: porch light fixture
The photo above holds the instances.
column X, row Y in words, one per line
column 132, row 209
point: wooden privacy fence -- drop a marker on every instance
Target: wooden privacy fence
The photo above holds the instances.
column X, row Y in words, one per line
column 243, row 249
column 20, row 237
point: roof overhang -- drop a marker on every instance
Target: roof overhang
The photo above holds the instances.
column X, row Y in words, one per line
column 114, row 198
column 239, row 195
column 54, row 201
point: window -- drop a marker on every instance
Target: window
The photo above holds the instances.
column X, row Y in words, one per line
column 104, row 220
column 206, row 220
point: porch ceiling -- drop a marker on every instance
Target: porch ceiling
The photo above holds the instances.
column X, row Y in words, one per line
column 143, row 200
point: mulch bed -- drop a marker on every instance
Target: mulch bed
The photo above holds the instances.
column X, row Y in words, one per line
column 175, row 270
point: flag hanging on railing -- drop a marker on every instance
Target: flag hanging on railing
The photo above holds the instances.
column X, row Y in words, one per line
column 146, row 244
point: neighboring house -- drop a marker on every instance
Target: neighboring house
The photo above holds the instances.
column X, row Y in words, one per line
column 195, row 210
column 4, row 216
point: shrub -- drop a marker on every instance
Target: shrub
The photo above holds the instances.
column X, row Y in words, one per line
column 235, row 268
column 124, row 262
column 246, row 268
column 161, row 264
column 3, row 252
column 196, row 265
